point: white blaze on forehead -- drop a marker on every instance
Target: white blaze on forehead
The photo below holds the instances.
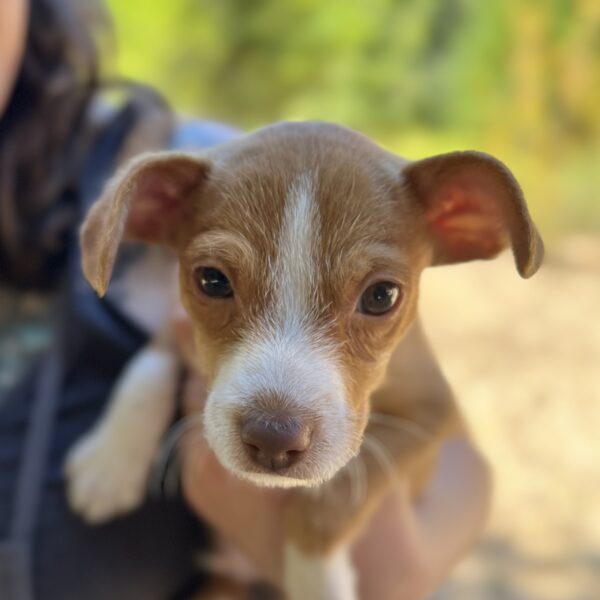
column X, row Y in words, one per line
column 295, row 269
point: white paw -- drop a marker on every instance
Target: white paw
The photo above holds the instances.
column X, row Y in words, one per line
column 319, row 577
column 105, row 478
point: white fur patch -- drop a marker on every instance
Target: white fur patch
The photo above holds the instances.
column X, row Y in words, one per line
column 286, row 355
column 108, row 468
column 319, row 577
column 305, row 376
column 297, row 261
column 147, row 289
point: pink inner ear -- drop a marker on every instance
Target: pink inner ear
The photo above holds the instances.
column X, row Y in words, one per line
column 466, row 222
column 156, row 204
column 152, row 217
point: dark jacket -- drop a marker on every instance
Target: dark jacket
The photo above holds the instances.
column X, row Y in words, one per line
column 47, row 552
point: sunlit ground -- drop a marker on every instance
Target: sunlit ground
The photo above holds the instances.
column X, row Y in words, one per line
column 524, row 360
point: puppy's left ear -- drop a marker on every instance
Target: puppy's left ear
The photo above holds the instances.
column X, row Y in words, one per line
column 147, row 201
column 474, row 208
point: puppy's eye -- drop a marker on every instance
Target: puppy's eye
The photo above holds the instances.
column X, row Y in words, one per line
column 379, row 298
column 213, row 283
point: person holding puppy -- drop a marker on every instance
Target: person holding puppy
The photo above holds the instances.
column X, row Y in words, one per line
column 58, row 145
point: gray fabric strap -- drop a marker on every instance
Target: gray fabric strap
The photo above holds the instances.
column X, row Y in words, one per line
column 16, row 573
column 29, row 484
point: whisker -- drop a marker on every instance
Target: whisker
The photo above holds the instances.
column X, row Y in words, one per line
column 361, row 471
column 172, row 477
column 381, row 455
column 356, row 473
column 350, row 471
column 199, row 458
column 163, row 461
column 405, row 425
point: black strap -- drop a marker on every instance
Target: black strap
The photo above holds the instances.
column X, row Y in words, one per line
column 17, row 559
column 37, row 443
column 15, row 569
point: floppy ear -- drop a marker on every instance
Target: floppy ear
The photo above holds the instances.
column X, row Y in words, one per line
column 474, row 208
column 145, row 202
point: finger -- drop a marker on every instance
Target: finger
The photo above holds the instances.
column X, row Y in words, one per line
column 193, row 394
column 389, row 554
column 181, row 326
column 250, row 517
column 454, row 508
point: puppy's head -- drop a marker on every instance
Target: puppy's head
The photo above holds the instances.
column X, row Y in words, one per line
column 300, row 251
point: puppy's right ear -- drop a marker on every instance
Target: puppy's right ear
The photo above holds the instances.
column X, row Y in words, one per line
column 145, row 201
column 474, row 208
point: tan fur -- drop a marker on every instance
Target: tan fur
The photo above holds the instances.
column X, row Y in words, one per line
column 381, row 218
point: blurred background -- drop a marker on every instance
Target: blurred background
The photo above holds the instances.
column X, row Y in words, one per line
column 519, row 79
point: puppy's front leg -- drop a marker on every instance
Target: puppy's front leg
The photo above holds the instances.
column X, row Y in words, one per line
column 107, row 470
column 319, row 576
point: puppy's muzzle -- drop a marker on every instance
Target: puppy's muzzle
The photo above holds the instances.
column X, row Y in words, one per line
column 276, row 442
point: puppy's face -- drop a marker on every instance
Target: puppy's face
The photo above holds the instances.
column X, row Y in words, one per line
column 300, row 251
column 299, row 272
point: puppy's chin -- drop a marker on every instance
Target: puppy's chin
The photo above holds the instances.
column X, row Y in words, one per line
column 273, row 480
column 311, row 473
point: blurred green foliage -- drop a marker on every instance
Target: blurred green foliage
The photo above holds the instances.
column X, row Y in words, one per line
column 517, row 78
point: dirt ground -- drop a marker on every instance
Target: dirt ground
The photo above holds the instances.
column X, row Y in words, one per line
column 524, row 360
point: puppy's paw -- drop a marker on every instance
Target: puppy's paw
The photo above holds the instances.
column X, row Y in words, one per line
column 105, row 477
column 330, row 577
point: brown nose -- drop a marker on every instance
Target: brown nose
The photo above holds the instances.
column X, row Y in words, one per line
column 275, row 443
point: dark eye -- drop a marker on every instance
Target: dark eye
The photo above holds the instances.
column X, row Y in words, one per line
column 213, row 283
column 379, row 298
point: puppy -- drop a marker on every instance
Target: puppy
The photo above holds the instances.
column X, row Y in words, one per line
column 300, row 248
